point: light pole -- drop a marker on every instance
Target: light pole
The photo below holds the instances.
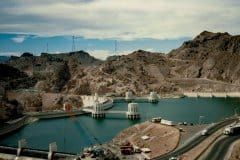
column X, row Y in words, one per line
column 200, row 119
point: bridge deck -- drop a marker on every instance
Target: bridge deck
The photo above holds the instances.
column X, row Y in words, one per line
column 116, row 112
column 107, row 112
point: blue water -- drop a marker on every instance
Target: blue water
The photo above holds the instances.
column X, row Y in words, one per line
column 72, row 135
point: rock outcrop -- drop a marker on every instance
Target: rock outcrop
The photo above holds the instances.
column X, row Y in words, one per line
column 208, row 62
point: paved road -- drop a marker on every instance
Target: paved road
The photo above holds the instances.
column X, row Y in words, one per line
column 195, row 141
column 220, row 148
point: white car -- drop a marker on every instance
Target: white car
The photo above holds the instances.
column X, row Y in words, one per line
column 204, row 132
column 173, row 158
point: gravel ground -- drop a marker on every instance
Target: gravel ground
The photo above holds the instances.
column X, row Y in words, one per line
column 235, row 155
column 162, row 138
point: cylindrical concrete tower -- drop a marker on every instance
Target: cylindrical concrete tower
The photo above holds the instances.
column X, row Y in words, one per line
column 132, row 112
column 98, row 111
column 128, row 96
column 153, row 97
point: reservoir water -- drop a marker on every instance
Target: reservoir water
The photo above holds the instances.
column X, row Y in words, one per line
column 72, row 135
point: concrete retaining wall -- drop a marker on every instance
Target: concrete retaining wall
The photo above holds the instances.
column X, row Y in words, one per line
column 54, row 114
column 107, row 104
column 14, row 126
column 43, row 154
column 212, row 94
column 89, row 100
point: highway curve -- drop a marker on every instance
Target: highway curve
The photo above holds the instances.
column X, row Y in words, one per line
column 195, row 141
column 220, row 148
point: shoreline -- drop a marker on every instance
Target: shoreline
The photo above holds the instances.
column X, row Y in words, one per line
column 113, row 101
column 109, row 104
column 197, row 94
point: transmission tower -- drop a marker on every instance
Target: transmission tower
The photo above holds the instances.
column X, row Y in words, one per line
column 73, row 43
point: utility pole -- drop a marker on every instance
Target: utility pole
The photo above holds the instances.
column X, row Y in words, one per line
column 115, row 49
column 47, row 48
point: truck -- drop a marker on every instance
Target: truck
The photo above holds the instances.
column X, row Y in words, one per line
column 232, row 130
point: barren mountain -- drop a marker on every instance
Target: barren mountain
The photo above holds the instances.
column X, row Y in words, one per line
column 216, row 56
column 209, row 62
column 53, row 71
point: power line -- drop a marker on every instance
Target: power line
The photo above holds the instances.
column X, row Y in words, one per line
column 47, row 48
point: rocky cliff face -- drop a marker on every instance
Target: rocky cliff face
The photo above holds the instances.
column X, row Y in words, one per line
column 209, row 62
column 53, row 71
column 214, row 56
column 10, row 110
column 12, row 78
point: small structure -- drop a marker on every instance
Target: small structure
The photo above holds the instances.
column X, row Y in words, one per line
column 232, row 130
column 137, row 149
column 21, row 144
column 153, row 97
column 145, row 137
column 52, row 149
column 98, row 111
column 127, row 149
column 145, row 150
column 156, row 119
column 132, row 112
column 167, row 122
column 128, row 96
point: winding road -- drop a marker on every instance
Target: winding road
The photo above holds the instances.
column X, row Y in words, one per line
column 195, row 141
column 220, row 148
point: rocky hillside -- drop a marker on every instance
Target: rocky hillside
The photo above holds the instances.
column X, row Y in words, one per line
column 10, row 110
column 12, row 78
column 215, row 56
column 53, row 71
column 209, row 62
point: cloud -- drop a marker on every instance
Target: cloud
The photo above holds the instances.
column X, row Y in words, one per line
column 19, row 39
column 114, row 19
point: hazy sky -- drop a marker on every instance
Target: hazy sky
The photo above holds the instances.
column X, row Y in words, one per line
column 156, row 25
